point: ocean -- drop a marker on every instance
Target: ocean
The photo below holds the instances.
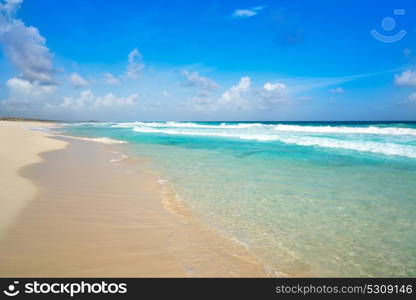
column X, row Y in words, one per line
column 306, row 198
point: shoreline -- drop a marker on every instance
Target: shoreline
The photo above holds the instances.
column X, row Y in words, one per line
column 93, row 214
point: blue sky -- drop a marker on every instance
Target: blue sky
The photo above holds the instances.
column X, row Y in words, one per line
column 207, row 60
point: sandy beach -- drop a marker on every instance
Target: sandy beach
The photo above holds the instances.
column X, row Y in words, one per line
column 19, row 148
column 73, row 208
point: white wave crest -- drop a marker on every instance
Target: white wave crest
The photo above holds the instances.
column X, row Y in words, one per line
column 188, row 125
column 279, row 127
column 346, row 130
column 357, row 145
column 362, row 146
column 247, row 136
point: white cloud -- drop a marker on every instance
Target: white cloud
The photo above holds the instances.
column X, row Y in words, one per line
column 337, row 90
column 406, row 78
column 110, row 100
column 18, row 86
column 247, row 13
column 77, row 80
column 134, row 68
column 24, row 95
column 110, row 79
column 236, row 93
column 272, row 94
column 198, row 81
column 270, row 87
column 24, row 46
column 243, row 97
column 10, row 6
column 87, row 99
column 135, row 65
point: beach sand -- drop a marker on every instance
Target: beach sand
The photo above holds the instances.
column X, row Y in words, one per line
column 72, row 208
column 19, row 147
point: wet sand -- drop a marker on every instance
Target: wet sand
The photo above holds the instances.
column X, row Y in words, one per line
column 93, row 214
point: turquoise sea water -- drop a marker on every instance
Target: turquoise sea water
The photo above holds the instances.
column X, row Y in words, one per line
column 320, row 198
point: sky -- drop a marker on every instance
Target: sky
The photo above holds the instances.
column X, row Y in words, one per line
column 208, row 60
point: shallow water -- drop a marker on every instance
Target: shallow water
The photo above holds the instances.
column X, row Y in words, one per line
column 327, row 199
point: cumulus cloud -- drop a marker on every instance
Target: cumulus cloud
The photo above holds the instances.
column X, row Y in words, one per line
column 135, row 65
column 25, row 87
column 10, row 6
column 193, row 79
column 110, row 100
column 272, row 94
column 337, row 90
column 24, row 95
column 110, row 79
column 87, row 99
column 406, row 78
column 236, row 97
column 77, row 80
column 24, row 46
column 243, row 96
column 236, row 94
column 134, row 68
column 247, row 13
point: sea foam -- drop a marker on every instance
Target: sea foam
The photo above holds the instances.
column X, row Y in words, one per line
column 386, row 148
column 276, row 127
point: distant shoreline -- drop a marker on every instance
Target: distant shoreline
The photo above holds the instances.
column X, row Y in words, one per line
column 18, row 119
